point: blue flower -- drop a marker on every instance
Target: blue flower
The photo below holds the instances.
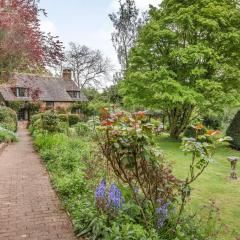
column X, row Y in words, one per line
column 162, row 214
column 115, row 198
column 100, row 193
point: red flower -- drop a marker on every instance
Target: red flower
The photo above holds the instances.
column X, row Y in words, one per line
column 140, row 113
column 107, row 123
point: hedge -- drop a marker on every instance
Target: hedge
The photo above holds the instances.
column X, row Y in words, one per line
column 8, row 119
column 233, row 131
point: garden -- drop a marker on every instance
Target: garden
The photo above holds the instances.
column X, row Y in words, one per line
column 120, row 179
column 8, row 125
column 152, row 151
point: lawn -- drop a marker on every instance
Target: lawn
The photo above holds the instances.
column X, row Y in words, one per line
column 213, row 184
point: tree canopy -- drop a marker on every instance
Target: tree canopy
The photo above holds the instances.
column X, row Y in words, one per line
column 90, row 68
column 126, row 23
column 186, row 59
column 22, row 44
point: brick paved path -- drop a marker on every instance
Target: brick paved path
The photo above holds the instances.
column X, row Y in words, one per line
column 29, row 207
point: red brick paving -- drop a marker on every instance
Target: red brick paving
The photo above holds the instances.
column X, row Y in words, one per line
column 29, row 207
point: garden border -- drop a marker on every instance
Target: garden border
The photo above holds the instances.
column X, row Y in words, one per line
column 2, row 147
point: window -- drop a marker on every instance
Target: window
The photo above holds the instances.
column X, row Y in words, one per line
column 22, row 92
column 74, row 94
column 76, row 111
column 49, row 104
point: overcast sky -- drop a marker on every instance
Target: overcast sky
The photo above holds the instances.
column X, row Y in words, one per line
column 85, row 21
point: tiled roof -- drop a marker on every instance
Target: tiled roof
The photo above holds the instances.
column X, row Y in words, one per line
column 50, row 89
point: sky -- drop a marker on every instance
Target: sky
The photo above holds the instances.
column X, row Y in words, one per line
column 85, row 22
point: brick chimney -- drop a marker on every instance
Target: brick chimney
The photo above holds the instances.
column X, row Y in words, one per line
column 67, row 74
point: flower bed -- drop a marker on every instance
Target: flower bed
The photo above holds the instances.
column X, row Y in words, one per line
column 107, row 195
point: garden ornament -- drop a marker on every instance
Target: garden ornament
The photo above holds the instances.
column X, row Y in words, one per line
column 233, row 161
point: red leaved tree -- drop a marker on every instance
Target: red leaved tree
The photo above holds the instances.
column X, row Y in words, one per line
column 22, row 44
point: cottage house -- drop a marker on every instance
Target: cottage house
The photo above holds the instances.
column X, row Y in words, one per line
column 50, row 92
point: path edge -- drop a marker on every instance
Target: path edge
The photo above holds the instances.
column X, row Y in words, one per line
column 2, row 147
column 44, row 165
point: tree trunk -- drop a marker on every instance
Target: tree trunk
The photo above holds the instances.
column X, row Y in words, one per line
column 179, row 118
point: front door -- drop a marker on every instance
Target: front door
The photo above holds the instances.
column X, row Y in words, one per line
column 23, row 115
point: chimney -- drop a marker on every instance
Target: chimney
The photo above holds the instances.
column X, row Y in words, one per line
column 67, row 74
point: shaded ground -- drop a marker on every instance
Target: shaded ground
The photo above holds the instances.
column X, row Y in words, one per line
column 29, row 207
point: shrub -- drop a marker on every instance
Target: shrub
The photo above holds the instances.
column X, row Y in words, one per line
column 33, row 107
column 84, row 108
column 190, row 132
column 63, row 117
column 126, row 144
column 212, row 122
column 8, row 119
column 35, row 117
column 73, row 119
column 82, row 129
column 50, row 121
column 6, row 135
column 61, row 110
column 233, row 131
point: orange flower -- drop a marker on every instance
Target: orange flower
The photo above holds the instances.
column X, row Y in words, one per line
column 198, row 127
column 212, row 132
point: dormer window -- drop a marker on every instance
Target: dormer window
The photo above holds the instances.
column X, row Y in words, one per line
column 74, row 94
column 22, row 92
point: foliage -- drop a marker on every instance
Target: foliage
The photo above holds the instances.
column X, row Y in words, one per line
column 50, row 121
column 84, row 108
column 111, row 94
column 70, row 161
column 23, row 45
column 15, row 105
column 8, row 119
column 183, row 62
column 213, row 122
column 131, row 231
column 190, row 132
column 126, row 143
column 73, row 119
column 234, row 131
column 95, row 106
column 61, row 110
column 82, row 129
column 53, row 122
column 126, row 23
column 33, row 107
column 6, row 135
column 202, row 148
column 63, row 117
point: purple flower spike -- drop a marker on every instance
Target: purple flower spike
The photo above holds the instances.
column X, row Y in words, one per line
column 115, row 198
column 162, row 214
column 100, row 193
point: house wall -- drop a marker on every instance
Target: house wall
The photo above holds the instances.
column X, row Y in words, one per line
column 64, row 105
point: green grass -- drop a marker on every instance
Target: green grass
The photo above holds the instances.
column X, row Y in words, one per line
column 213, row 184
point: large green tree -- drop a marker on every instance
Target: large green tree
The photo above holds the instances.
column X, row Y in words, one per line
column 186, row 60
